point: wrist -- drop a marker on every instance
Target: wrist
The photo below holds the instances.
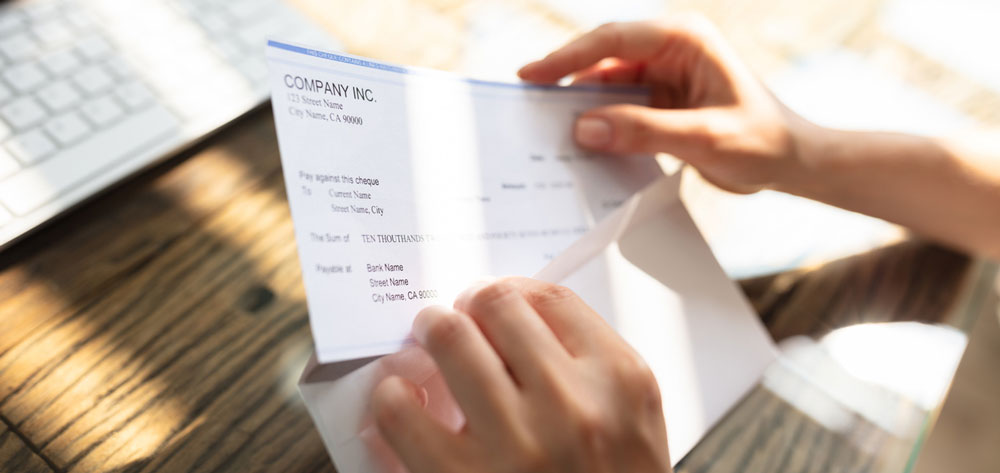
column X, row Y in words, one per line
column 809, row 170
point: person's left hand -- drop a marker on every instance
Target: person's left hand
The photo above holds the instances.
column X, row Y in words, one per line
column 544, row 384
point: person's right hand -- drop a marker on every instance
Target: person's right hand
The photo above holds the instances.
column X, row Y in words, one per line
column 707, row 108
column 544, row 383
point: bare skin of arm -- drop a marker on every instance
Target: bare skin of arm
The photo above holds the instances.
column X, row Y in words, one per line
column 947, row 189
column 544, row 383
column 709, row 110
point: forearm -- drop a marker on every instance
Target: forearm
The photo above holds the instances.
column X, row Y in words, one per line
column 945, row 189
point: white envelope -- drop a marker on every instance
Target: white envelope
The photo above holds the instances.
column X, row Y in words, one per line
column 645, row 268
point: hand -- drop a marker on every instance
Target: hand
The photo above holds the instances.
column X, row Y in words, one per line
column 544, row 383
column 707, row 108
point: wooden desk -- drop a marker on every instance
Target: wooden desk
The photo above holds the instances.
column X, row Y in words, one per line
column 162, row 326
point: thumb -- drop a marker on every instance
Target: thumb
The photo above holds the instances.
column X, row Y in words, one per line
column 420, row 441
column 628, row 129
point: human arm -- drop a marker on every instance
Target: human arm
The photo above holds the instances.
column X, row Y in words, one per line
column 709, row 109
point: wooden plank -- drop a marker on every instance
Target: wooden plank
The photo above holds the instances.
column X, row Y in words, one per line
column 766, row 434
column 912, row 280
column 966, row 435
column 122, row 230
column 185, row 359
column 769, row 431
column 16, row 456
column 186, row 362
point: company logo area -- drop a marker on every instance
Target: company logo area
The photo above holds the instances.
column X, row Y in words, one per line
column 329, row 88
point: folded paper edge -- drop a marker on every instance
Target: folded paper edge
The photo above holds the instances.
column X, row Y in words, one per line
column 316, row 372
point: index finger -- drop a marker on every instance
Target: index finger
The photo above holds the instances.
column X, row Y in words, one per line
column 633, row 41
column 578, row 327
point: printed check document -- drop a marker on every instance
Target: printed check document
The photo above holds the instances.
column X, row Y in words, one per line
column 408, row 185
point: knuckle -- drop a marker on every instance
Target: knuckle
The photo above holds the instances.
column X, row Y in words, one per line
column 610, row 27
column 705, row 136
column 514, row 281
column 532, row 460
column 526, row 452
column 550, row 295
column 492, row 294
column 650, row 393
column 611, row 32
column 590, row 429
column 589, row 425
column 551, row 378
column 641, row 136
column 593, row 429
column 635, row 375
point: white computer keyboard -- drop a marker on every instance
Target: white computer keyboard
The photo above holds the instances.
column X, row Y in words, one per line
column 92, row 91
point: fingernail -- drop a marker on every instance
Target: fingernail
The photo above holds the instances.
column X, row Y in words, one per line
column 526, row 69
column 593, row 132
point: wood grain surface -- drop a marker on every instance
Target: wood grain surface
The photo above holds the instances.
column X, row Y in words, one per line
column 771, row 432
column 162, row 326
column 16, row 455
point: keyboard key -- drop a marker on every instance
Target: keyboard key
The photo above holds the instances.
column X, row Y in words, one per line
column 8, row 165
column 253, row 68
column 134, row 95
column 37, row 11
column 30, row 147
column 60, row 62
column 180, row 77
column 254, row 36
column 172, row 45
column 119, row 67
column 101, row 111
column 243, row 10
column 315, row 36
column 10, row 22
column 67, row 128
column 5, row 93
column 213, row 22
column 24, row 77
column 36, row 185
column 124, row 18
column 192, row 9
column 22, row 113
column 59, row 96
column 229, row 48
column 18, row 46
column 53, row 32
column 80, row 19
column 93, row 79
column 93, row 47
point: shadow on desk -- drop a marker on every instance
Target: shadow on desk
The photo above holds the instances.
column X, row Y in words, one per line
column 162, row 326
column 907, row 281
column 815, row 410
